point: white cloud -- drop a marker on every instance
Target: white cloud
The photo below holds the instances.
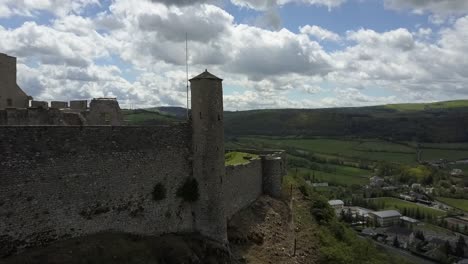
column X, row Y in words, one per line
column 441, row 7
column 67, row 59
column 265, row 4
column 320, row 33
column 260, row 53
column 31, row 7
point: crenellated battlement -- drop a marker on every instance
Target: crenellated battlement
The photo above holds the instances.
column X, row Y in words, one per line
column 101, row 111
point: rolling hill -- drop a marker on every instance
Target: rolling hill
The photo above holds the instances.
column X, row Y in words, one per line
column 432, row 122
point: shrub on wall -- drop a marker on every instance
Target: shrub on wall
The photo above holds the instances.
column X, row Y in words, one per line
column 189, row 190
column 159, row 192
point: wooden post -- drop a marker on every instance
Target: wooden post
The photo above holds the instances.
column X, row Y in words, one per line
column 295, row 246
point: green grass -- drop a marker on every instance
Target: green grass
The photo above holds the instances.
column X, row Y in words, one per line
column 397, row 204
column 382, row 146
column 341, row 176
column 354, row 149
column 458, row 145
column 428, row 106
column 238, row 158
column 461, row 204
column 452, row 155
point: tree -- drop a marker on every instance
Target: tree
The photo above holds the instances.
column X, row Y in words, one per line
column 349, row 216
column 418, row 213
column 405, row 211
column 396, row 243
column 447, row 249
column 460, row 247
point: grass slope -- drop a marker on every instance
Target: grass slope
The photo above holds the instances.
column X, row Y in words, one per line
column 457, row 203
column 147, row 117
column 335, row 242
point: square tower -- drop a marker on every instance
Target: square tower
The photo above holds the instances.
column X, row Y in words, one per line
column 11, row 95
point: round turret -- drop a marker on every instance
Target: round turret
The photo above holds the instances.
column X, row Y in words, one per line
column 272, row 175
column 208, row 154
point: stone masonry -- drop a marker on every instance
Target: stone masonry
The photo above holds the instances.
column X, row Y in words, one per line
column 58, row 182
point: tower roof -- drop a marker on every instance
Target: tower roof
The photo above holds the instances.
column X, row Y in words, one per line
column 205, row 75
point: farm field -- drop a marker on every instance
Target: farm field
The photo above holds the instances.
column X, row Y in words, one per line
column 457, row 203
column 390, row 203
column 456, row 146
column 448, row 154
column 373, row 150
column 342, row 176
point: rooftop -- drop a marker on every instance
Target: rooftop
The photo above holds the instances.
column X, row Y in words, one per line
column 335, row 202
column 409, row 219
column 205, row 75
column 389, row 213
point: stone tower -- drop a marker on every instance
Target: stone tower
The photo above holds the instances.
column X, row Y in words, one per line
column 11, row 95
column 208, row 154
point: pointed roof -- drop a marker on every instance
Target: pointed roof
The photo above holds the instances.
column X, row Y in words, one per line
column 206, row 75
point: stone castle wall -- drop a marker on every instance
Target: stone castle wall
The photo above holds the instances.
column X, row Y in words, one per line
column 65, row 179
column 61, row 182
column 30, row 116
column 243, row 185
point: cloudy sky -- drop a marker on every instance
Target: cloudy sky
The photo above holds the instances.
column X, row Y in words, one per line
column 270, row 53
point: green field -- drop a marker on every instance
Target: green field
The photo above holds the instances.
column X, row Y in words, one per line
column 448, row 154
column 342, row 175
column 428, row 106
column 457, row 203
column 397, row 204
column 373, row 150
column 457, row 146
column 238, row 158
column 383, row 146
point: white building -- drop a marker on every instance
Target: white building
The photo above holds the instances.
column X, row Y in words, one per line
column 336, row 204
column 386, row 218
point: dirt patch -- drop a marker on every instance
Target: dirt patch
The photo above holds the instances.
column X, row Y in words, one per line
column 264, row 233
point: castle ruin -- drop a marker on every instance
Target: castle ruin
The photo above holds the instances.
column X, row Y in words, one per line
column 17, row 108
column 62, row 181
column 11, row 95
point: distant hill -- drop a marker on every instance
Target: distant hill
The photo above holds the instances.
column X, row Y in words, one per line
column 178, row 112
column 433, row 122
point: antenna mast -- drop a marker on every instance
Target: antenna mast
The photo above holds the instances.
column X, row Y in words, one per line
column 186, row 68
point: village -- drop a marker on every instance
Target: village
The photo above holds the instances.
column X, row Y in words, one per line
column 419, row 225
